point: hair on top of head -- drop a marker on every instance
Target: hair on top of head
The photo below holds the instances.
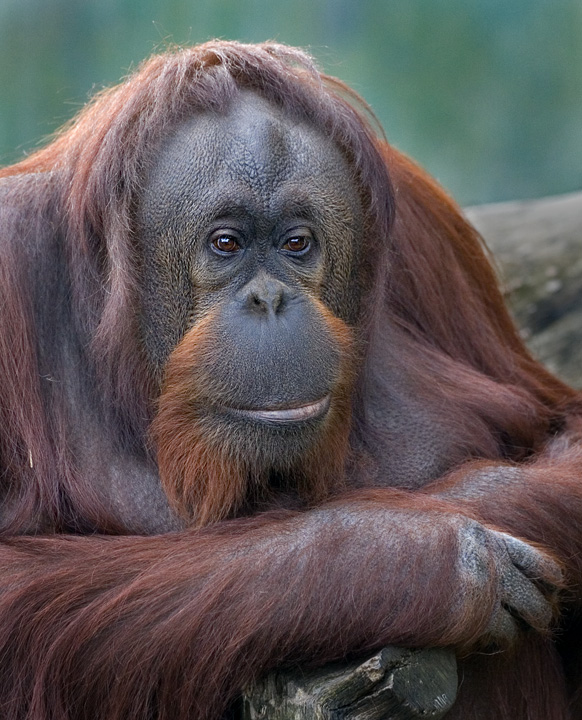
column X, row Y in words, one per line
column 168, row 88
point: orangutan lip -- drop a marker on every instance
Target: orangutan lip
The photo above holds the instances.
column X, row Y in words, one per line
column 288, row 415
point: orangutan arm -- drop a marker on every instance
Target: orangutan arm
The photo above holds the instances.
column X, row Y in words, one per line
column 116, row 624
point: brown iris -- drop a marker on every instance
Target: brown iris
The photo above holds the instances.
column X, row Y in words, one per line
column 297, row 244
column 226, row 244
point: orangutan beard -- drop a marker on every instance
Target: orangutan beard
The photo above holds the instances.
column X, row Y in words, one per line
column 214, row 465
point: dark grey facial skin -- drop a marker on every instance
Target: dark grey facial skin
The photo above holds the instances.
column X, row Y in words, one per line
column 249, row 216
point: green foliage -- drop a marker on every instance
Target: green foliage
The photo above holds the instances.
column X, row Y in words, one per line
column 487, row 94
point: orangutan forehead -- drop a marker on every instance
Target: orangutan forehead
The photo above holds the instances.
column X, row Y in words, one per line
column 252, row 148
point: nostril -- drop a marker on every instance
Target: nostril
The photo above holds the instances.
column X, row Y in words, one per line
column 257, row 303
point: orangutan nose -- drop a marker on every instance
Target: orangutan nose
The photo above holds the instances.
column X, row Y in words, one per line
column 265, row 295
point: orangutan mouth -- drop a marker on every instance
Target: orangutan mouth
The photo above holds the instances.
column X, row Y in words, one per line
column 288, row 415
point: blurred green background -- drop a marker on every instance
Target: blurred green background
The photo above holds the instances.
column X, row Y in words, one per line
column 486, row 94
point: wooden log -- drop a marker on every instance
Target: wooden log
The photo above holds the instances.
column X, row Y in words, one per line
column 394, row 684
column 538, row 249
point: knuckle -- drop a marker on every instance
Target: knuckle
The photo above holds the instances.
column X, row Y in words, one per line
column 502, row 628
column 532, row 561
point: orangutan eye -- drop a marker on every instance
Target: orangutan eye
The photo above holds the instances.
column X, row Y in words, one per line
column 297, row 245
column 225, row 243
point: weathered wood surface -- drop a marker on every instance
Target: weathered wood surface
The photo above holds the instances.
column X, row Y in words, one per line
column 538, row 249
column 537, row 246
column 395, row 684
